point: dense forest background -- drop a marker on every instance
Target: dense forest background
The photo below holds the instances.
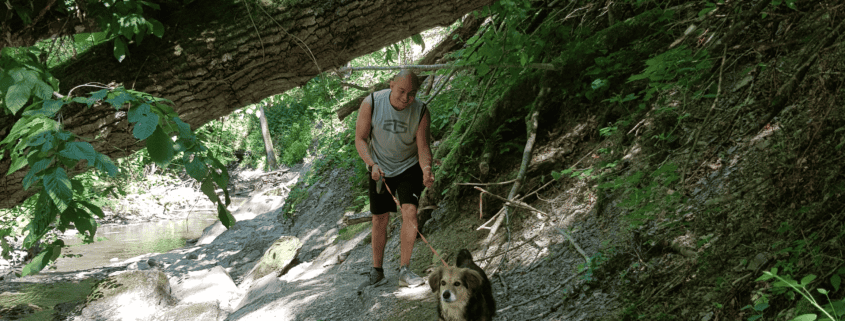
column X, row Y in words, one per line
column 709, row 133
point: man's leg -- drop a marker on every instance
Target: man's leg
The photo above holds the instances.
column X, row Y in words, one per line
column 409, row 233
column 379, row 238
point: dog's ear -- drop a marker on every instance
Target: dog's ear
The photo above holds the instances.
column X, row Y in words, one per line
column 472, row 279
column 434, row 279
column 464, row 259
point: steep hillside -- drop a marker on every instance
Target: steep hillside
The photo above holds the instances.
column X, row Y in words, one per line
column 692, row 147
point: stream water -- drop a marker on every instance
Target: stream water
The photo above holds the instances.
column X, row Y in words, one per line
column 127, row 241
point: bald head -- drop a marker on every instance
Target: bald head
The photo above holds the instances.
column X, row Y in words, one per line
column 406, row 74
column 403, row 89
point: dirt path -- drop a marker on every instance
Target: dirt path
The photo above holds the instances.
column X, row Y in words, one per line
column 528, row 282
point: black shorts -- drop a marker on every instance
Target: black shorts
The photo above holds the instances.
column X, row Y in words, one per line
column 407, row 187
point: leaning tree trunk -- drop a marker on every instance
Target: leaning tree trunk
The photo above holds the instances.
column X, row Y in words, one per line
column 214, row 59
column 268, row 142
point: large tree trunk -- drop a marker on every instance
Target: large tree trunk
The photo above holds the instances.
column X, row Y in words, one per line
column 214, row 59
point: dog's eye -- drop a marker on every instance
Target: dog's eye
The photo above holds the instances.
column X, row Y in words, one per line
column 442, row 283
column 457, row 283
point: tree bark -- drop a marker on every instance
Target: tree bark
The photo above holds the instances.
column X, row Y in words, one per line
column 268, row 142
column 212, row 61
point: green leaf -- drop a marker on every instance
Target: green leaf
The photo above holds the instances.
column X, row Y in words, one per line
column 49, row 108
column 160, row 146
column 120, row 49
column 43, row 90
column 80, row 151
column 99, row 95
column 822, row 291
column 556, row 175
column 482, row 69
column 77, row 186
column 765, row 277
column 85, row 223
column 17, row 96
column 145, row 121
column 196, row 168
column 148, row 4
column 805, row 317
column 835, row 280
column 225, row 216
column 760, row 307
column 184, row 128
column 58, row 187
column 158, row 28
column 807, row 279
column 119, row 97
column 418, row 39
column 31, row 177
column 18, row 162
column 41, row 260
column 96, row 210
column 105, row 164
column 164, row 109
column 207, row 188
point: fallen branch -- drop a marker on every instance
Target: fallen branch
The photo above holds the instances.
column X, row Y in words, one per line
column 515, row 203
column 544, row 66
column 577, row 248
column 487, row 184
column 526, row 158
column 355, row 86
column 510, row 249
column 542, row 295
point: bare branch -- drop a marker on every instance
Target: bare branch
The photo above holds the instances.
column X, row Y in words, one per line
column 443, row 66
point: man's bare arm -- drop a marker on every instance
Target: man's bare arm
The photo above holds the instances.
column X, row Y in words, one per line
column 423, row 144
column 362, row 131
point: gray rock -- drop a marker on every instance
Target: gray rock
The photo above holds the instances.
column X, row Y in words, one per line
column 194, row 311
column 204, row 286
column 132, row 295
column 278, row 258
column 757, row 262
column 268, row 284
column 192, row 256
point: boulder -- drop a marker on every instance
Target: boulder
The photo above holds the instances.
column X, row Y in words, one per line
column 207, row 311
column 268, row 284
column 131, row 295
column 279, row 257
column 212, row 285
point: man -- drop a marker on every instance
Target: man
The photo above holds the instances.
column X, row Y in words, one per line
column 392, row 138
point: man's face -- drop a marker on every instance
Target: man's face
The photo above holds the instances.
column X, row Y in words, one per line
column 402, row 92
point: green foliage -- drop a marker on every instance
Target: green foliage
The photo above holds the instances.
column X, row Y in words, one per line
column 646, row 196
column 832, row 311
column 38, row 140
column 675, row 67
column 124, row 21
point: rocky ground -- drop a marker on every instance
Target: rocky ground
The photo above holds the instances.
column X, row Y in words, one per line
column 319, row 280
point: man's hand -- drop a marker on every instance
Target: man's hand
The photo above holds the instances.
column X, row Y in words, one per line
column 376, row 172
column 428, row 176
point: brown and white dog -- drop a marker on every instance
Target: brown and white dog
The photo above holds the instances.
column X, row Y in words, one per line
column 464, row 293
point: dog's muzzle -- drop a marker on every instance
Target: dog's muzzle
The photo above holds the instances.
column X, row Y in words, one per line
column 447, row 296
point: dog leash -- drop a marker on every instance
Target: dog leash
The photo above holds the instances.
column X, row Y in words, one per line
column 414, row 225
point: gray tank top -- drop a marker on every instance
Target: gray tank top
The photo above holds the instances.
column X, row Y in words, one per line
column 393, row 135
